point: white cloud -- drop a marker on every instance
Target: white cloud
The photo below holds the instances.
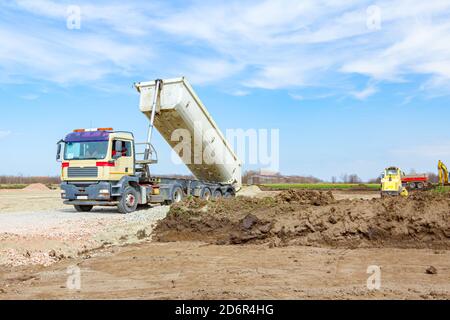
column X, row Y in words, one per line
column 268, row 44
column 296, row 96
column 365, row 93
column 126, row 18
column 203, row 71
column 240, row 93
column 433, row 151
column 30, row 96
column 4, row 134
column 64, row 58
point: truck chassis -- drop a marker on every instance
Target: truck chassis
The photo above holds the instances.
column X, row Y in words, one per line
column 128, row 193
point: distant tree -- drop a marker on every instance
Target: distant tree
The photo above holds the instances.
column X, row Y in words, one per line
column 433, row 177
column 255, row 177
column 353, row 178
column 375, row 180
column 344, row 178
column 333, row 179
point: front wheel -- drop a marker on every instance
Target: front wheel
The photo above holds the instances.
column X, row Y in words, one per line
column 83, row 208
column 129, row 201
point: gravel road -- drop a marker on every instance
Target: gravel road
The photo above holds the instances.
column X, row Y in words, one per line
column 32, row 233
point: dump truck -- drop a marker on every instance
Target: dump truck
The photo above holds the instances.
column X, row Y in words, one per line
column 104, row 167
column 417, row 181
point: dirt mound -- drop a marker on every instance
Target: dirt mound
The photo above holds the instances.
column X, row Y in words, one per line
column 36, row 187
column 313, row 218
column 249, row 191
column 316, row 198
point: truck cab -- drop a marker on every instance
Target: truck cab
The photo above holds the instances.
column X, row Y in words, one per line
column 391, row 182
column 98, row 167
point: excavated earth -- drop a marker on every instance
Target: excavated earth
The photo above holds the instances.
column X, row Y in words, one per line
column 289, row 245
column 313, row 218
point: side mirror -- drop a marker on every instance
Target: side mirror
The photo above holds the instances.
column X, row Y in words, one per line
column 58, row 150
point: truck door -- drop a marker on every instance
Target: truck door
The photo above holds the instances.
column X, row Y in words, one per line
column 122, row 153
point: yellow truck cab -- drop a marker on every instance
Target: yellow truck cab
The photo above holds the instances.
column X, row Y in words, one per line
column 391, row 182
column 98, row 168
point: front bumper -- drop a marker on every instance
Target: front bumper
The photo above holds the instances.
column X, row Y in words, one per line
column 390, row 193
column 85, row 192
column 91, row 203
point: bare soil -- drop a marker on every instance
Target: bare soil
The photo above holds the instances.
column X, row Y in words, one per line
column 304, row 217
column 194, row 270
column 36, row 187
column 283, row 245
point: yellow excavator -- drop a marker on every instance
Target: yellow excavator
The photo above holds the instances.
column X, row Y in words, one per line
column 443, row 173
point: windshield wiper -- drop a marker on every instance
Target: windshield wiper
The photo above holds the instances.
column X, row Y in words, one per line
column 78, row 158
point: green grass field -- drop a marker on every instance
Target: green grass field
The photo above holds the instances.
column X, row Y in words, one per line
column 323, row 186
column 12, row 186
column 442, row 189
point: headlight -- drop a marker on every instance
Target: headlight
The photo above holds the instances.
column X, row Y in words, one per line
column 104, row 192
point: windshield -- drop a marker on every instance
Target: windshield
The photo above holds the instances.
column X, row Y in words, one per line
column 94, row 150
column 391, row 172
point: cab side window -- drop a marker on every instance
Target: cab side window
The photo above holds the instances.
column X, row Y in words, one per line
column 127, row 151
column 121, row 148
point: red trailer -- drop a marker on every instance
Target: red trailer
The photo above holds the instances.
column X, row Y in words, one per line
column 416, row 181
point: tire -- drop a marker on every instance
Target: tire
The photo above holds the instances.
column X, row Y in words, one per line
column 228, row 195
column 177, row 195
column 206, row 194
column 420, row 185
column 129, row 201
column 217, row 194
column 83, row 208
column 412, row 185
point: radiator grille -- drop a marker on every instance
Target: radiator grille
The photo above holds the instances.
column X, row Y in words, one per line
column 74, row 172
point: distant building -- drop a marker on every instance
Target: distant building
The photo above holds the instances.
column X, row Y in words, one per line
column 266, row 177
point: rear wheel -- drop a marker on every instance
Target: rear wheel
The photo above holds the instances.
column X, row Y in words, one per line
column 206, row 194
column 419, row 185
column 228, row 194
column 412, row 185
column 177, row 195
column 83, row 208
column 129, row 201
column 217, row 194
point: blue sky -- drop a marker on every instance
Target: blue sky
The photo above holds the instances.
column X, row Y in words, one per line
column 352, row 87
